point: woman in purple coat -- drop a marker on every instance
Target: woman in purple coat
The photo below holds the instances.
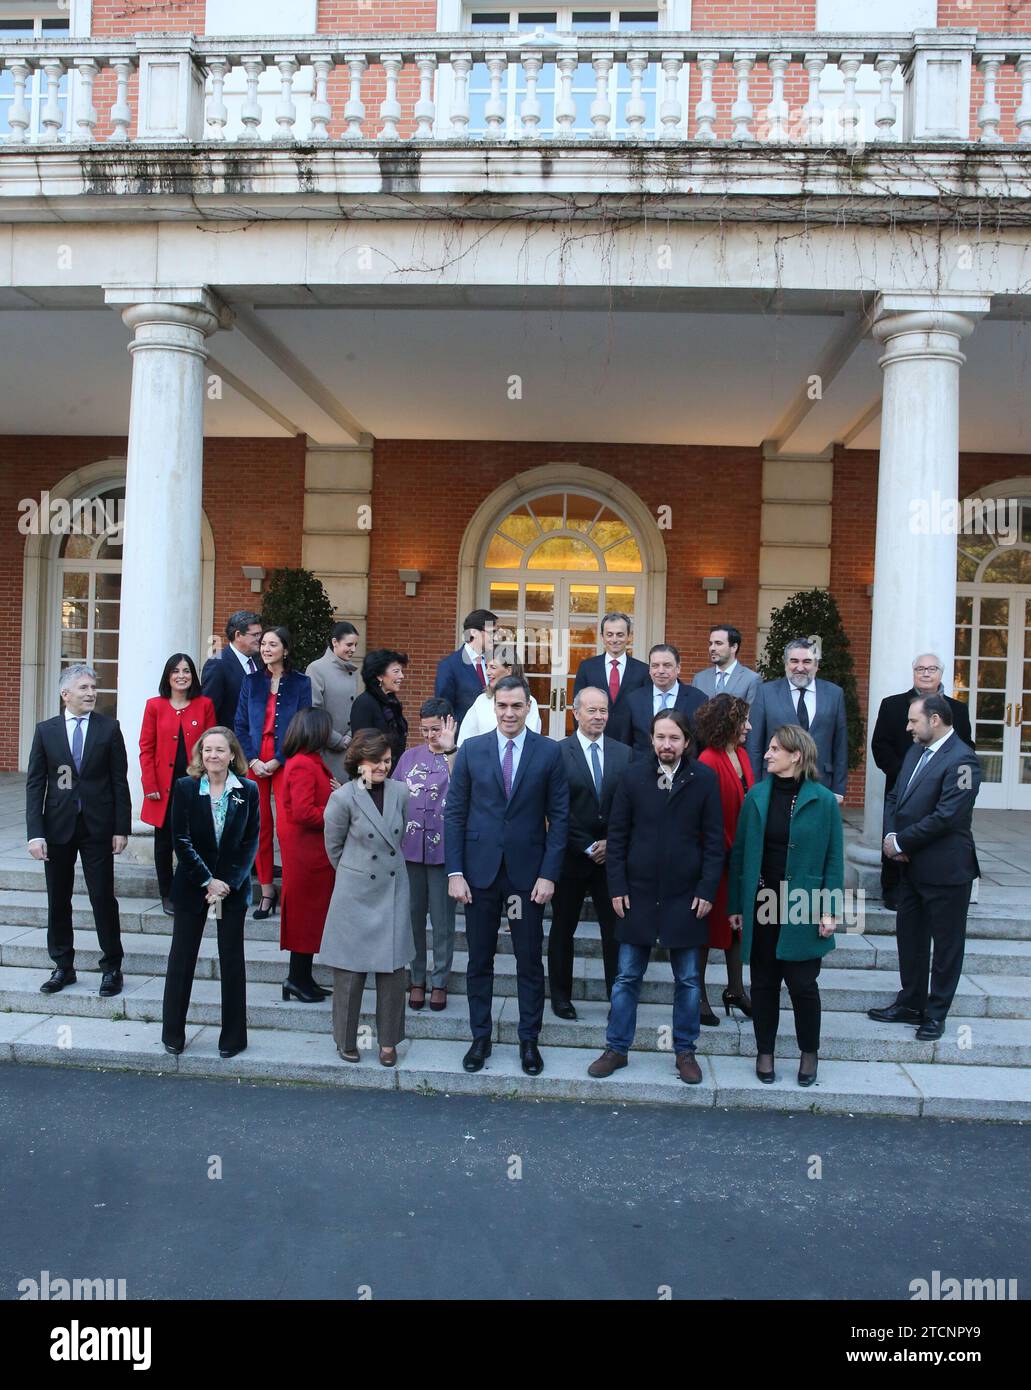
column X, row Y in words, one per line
column 426, row 772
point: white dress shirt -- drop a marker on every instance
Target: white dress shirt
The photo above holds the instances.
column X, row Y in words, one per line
column 586, row 744
column 69, row 728
column 722, row 690
column 658, row 696
column 244, row 660
column 474, row 658
column 517, row 751
column 809, row 695
column 620, row 667
column 481, row 718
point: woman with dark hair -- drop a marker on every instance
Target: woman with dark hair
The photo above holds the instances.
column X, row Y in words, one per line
column 173, row 721
column 308, row 876
column 378, row 706
column 722, row 725
column 369, row 926
column 786, row 889
column 269, row 699
column 215, row 818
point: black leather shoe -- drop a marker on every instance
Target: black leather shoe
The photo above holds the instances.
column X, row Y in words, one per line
column 806, row 1078
column 477, row 1054
column 64, row 975
column 894, row 1013
column 767, row 1077
column 930, row 1030
column 530, row 1058
column 110, row 984
column 168, row 907
column 231, row 1051
column 175, row 1051
column 562, row 1008
column 307, row 994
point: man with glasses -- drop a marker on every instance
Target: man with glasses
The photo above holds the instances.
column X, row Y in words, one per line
column 891, row 742
column 223, row 675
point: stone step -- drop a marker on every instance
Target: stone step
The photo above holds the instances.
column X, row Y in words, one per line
column 847, row 990
column 427, row 1065
column 1004, row 924
column 844, row 1036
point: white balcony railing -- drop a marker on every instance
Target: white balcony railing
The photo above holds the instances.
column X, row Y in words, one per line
column 691, row 89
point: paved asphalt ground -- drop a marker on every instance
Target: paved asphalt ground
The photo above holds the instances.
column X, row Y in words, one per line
column 323, row 1192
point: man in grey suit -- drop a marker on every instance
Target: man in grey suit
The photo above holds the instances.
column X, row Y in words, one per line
column 799, row 698
column 726, row 675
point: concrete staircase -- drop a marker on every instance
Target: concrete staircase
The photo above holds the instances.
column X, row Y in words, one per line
column 981, row 1068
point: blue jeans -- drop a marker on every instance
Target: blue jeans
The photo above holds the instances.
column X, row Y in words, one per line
column 687, row 997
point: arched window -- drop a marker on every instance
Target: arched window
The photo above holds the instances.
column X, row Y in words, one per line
column 89, row 579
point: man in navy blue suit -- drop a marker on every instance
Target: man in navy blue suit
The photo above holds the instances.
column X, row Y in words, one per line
column 613, row 669
column 462, row 676
column 223, row 675
column 505, row 828
column 632, row 723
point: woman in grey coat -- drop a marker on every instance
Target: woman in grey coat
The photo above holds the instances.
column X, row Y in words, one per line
column 369, row 925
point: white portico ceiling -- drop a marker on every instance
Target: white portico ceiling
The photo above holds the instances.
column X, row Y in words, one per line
column 584, row 375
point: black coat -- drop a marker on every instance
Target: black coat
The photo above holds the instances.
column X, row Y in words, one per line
column 200, row 855
column 664, row 849
column 589, row 817
column 891, row 742
column 373, row 710
column 220, row 681
column 631, row 720
column 931, row 816
column 53, row 787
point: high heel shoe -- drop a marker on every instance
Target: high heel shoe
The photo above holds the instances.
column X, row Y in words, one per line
column 806, row 1078
column 305, row 993
column 261, row 912
column 766, row 1076
column 708, row 1019
column 737, row 1001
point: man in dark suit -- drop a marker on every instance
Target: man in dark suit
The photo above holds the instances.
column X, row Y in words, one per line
column 594, row 765
column 891, row 742
column 505, row 827
column 927, row 819
column 223, row 675
column 462, row 676
column 632, row 722
column 613, row 669
column 77, row 804
column 816, row 706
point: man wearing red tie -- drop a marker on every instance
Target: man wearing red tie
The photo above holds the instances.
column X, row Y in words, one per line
column 613, row 669
column 462, row 676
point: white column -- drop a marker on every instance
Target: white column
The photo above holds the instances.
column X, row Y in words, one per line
column 914, row 597
column 161, row 554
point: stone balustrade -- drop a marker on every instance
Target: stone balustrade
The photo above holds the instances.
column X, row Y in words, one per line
column 686, row 89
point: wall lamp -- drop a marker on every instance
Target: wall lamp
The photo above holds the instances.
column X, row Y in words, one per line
column 712, row 584
column 256, row 574
column 411, row 579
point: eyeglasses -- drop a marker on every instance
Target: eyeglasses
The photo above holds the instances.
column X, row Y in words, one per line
column 926, row 670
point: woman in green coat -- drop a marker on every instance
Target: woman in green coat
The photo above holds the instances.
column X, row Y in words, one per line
column 785, row 891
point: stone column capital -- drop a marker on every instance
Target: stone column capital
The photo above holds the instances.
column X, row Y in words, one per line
column 924, row 326
column 166, row 310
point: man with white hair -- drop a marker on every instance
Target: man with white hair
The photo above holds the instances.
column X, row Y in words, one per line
column 78, row 805
column 891, row 741
column 799, row 698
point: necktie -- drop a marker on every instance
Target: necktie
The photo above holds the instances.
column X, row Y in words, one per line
column 667, row 696
column 251, row 666
column 803, row 711
column 596, row 769
column 721, row 681
column 481, row 673
column 506, row 767
column 924, row 758
column 77, row 744
column 614, row 680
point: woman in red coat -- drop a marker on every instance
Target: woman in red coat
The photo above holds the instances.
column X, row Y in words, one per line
column 173, row 721
column 308, row 876
column 722, row 725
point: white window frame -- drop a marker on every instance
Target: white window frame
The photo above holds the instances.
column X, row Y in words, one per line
column 35, row 88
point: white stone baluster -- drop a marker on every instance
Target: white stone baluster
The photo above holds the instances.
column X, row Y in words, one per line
column 121, row 111
column 321, row 112
column 18, row 112
column 461, row 65
column 814, row 64
column 495, row 110
column 86, row 112
column 671, row 111
column 885, row 114
column 530, row 108
column 354, row 108
column 636, row 111
column 250, row 110
column 849, row 65
column 989, row 113
column 565, row 107
column 52, row 117
column 601, row 107
column 217, row 113
column 425, row 111
column 286, row 111
column 390, row 107
column 1023, row 113
column 777, row 110
column 705, row 109
column 742, row 111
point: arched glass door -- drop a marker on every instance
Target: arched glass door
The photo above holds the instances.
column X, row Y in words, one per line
column 88, row 584
column 993, row 660
column 551, row 569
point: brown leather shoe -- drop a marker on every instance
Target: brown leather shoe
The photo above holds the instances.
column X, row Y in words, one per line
column 607, row 1063
column 688, row 1069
